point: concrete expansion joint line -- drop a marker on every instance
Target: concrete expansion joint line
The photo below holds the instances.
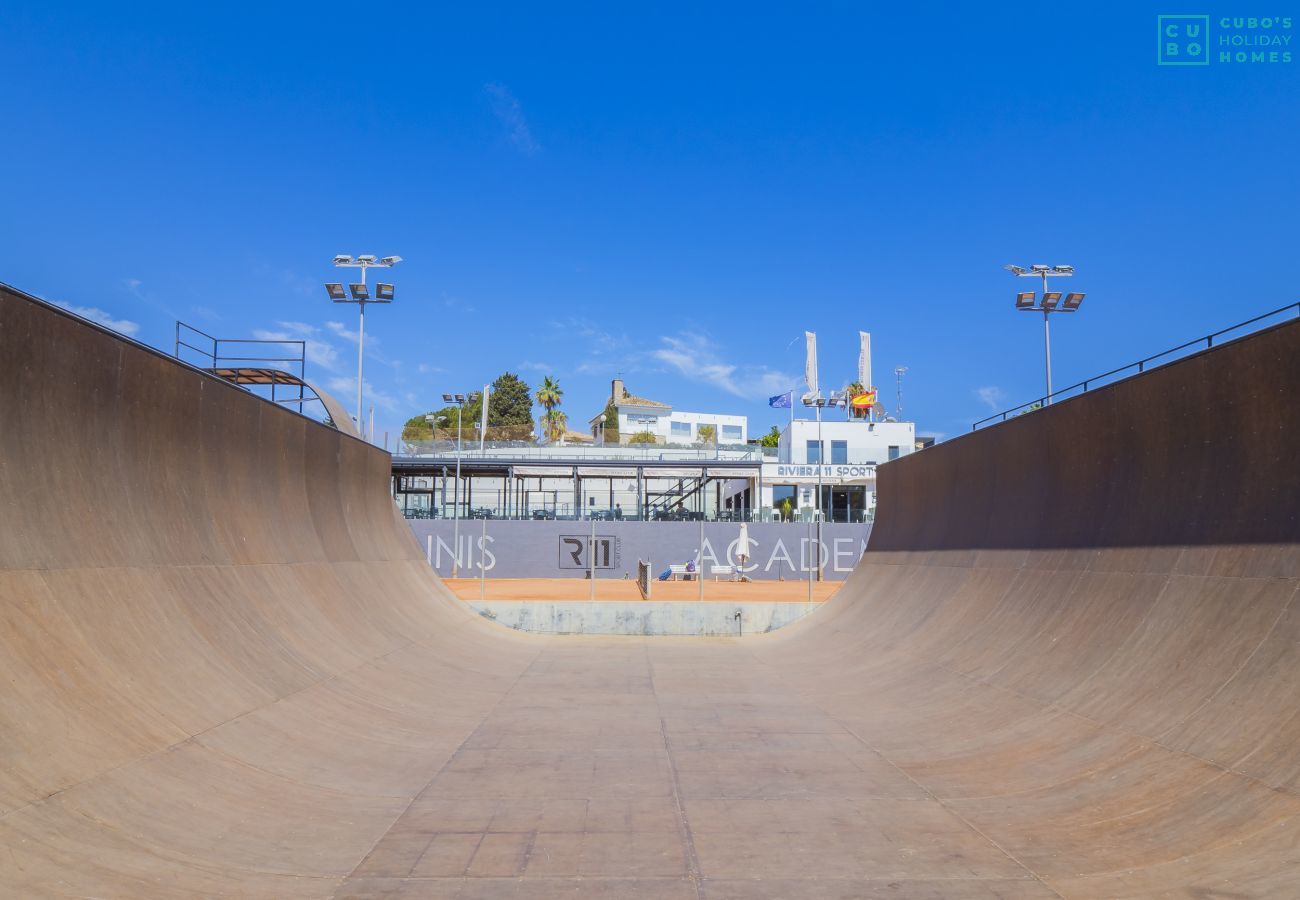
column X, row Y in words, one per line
column 415, row 795
column 928, row 793
column 683, row 821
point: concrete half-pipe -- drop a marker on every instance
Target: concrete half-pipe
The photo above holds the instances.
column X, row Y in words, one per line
column 1068, row 666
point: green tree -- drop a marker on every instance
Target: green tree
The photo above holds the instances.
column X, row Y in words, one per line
column 772, row 438
column 511, row 402
column 611, row 423
column 707, row 434
column 642, row 437
column 553, row 422
column 417, row 428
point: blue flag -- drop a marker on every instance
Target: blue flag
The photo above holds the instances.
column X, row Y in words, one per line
column 781, row 401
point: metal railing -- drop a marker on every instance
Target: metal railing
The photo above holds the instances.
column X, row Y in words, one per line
column 215, row 356
column 579, row 452
column 564, row 512
column 1135, row 368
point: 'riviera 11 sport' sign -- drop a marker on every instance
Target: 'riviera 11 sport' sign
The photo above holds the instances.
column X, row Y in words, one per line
column 783, row 472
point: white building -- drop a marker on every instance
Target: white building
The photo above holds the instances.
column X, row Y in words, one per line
column 840, row 457
column 637, row 415
column 677, row 475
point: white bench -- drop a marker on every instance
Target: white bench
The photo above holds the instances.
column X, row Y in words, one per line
column 721, row 571
column 679, row 571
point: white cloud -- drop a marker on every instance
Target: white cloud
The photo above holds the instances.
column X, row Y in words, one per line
column 341, row 330
column 319, row 353
column 344, row 387
column 132, row 284
column 458, row 304
column 426, row 369
column 991, row 396
column 599, row 352
column 697, row 358
column 536, row 367
column 94, row 314
column 511, row 114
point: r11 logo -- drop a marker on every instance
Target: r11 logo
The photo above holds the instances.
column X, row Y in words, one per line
column 577, row 551
column 1182, row 40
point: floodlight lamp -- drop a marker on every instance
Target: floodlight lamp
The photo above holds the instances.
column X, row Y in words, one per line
column 1063, row 270
column 1015, row 270
column 369, row 259
column 820, row 402
column 1050, row 299
column 359, row 291
column 1037, row 267
column 473, row 398
column 383, row 292
column 460, row 398
column 1073, row 300
column 1025, row 300
column 447, row 398
column 336, row 292
column 342, row 259
column 390, row 260
column 808, row 398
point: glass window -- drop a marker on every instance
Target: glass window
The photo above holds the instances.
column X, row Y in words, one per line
column 814, row 453
column 839, row 452
column 682, row 430
column 893, row 451
column 731, row 434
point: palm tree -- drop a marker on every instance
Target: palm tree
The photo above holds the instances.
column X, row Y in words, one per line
column 554, row 423
column 558, row 425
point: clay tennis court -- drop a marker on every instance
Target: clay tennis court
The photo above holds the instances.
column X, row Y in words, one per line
column 625, row 590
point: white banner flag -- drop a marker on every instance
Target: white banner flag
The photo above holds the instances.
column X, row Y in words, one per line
column 810, row 365
column 864, row 360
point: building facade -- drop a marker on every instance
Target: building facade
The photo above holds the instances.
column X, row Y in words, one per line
column 642, row 416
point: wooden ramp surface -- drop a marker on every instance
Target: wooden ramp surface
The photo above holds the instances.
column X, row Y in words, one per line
column 1068, row 666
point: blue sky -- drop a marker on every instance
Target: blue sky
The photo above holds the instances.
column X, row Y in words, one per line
column 671, row 192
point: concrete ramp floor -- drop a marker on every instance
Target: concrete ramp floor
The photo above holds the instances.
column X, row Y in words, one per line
column 1068, row 666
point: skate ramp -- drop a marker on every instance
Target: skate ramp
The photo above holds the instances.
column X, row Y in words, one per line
column 1068, row 665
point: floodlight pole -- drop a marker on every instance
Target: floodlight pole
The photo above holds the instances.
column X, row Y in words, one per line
column 455, row 496
column 1047, row 351
column 459, row 400
column 363, row 263
column 1047, row 341
column 1045, row 272
column 361, row 348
